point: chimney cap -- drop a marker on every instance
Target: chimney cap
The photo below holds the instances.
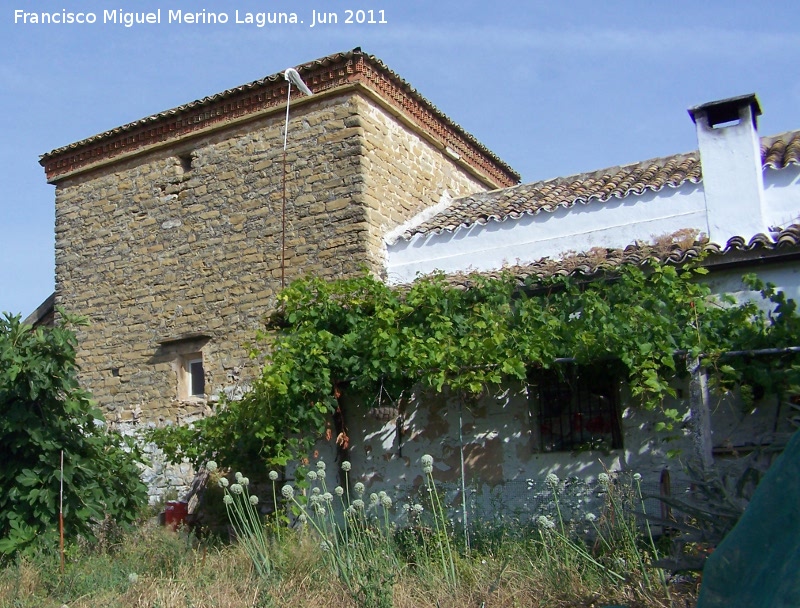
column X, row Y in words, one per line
column 726, row 110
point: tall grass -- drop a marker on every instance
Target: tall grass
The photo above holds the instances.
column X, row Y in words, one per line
column 347, row 549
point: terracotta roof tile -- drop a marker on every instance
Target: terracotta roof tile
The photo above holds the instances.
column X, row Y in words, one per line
column 617, row 182
column 600, row 260
column 781, row 150
column 323, row 74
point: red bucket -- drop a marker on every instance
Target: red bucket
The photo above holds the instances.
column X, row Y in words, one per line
column 175, row 513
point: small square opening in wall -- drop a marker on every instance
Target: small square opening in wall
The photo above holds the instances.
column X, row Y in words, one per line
column 186, row 162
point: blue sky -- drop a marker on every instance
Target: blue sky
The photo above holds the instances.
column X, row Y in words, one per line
column 553, row 88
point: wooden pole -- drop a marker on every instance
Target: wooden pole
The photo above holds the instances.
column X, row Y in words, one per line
column 283, row 179
column 701, row 415
column 61, row 514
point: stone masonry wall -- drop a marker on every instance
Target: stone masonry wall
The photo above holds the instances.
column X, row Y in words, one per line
column 404, row 174
column 177, row 252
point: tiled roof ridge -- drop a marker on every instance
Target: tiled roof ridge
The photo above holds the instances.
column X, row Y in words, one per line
column 777, row 151
column 601, row 260
column 444, row 117
column 270, row 91
column 671, row 163
column 602, row 197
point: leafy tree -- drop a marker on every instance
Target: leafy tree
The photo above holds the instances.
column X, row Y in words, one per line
column 43, row 411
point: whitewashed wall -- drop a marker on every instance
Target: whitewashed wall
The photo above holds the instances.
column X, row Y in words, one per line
column 613, row 224
column 501, row 456
column 501, row 453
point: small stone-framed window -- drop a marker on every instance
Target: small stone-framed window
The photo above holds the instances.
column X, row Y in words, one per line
column 184, row 354
column 192, row 377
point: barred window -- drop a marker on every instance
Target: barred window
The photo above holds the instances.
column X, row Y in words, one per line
column 576, row 408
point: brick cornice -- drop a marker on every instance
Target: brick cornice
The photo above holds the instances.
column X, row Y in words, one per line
column 256, row 98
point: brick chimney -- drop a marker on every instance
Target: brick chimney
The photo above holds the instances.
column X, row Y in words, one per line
column 730, row 154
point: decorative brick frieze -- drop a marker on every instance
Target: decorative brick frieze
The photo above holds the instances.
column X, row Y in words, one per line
column 269, row 94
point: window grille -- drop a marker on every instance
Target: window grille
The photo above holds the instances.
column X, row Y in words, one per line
column 576, row 408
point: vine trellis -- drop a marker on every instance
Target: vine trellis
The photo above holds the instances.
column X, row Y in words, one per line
column 362, row 336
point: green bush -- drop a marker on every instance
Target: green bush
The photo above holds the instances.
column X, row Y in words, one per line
column 44, row 412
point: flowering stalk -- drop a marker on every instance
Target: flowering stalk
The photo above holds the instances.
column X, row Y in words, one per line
column 243, row 516
column 361, row 555
column 553, row 482
column 273, row 477
column 440, row 521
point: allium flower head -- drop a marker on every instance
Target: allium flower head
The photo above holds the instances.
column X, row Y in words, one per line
column 406, row 507
column 358, row 503
column 427, row 469
column 253, row 500
column 312, row 476
column 603, row 479
column 273, row 476
column 426, row 460
column 327, row 497
column 227, row 499
column 417, row 508
column 238, row 476
column 245, row 481
column 552, row 480
column 545, row 522
column 211, row 466
column 320, row 509
column 320, row 465
column 345, row 466
column 314, row 499
column 381, row 494
column 386, row 502
column 236, row 488
column 590, row 517
column 315, row 491
column 373, row 499
column 302, row 518
column 321, row 474
column 223, row 482
column 637, row 477
column 359, row 488
column 288, row 492
column 339, row 490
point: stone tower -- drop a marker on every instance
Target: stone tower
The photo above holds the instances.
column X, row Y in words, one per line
column 171, row 236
